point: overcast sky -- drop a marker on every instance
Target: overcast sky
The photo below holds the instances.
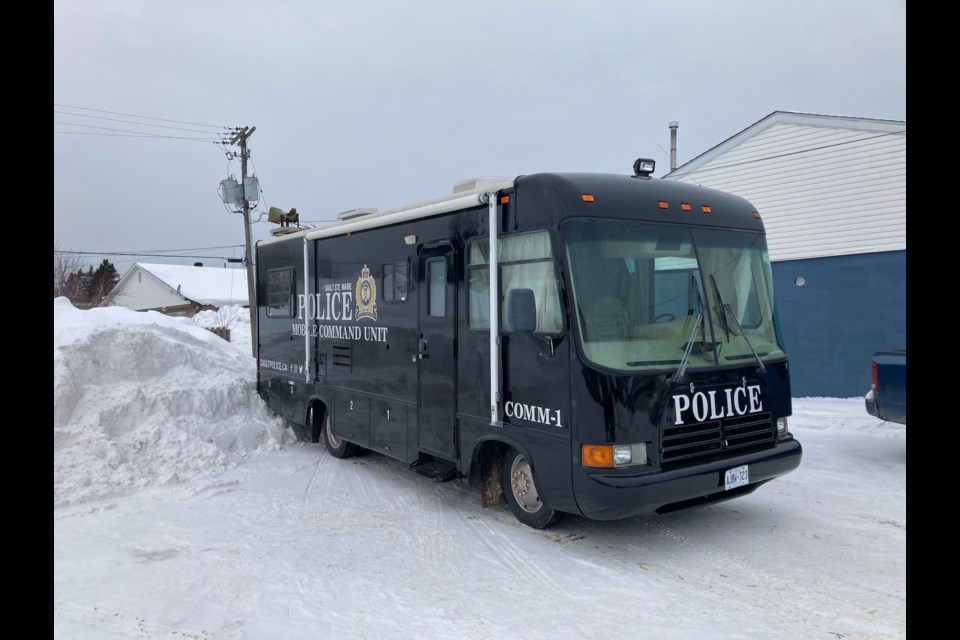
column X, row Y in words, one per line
column 369, row 103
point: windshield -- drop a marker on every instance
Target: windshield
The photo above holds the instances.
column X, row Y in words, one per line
column 639, row 288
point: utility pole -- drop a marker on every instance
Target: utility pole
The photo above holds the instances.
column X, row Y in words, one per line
column 241, row 137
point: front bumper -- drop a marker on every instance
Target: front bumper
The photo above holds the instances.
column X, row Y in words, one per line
column 610, row 496
column 870, row 405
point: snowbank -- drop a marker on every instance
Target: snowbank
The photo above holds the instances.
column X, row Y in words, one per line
column 141, row 398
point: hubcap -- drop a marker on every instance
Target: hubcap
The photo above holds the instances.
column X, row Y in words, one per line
column 521, row 483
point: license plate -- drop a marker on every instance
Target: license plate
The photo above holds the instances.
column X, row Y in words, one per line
column 736, row 477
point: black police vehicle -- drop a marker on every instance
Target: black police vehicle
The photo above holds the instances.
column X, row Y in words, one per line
column 602, row 345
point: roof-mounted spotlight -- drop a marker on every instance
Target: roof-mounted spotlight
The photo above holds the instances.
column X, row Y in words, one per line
column 643, row 167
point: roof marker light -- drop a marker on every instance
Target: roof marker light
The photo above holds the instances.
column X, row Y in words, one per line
column 756, row 214
column 662, row 204
column 504, row 199
column 684, row 206
column 706, row 209
column 586, row 197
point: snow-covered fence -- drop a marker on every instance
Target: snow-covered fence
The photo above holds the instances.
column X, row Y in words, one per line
column 223, row 332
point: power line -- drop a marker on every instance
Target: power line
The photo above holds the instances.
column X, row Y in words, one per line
column 140, row 133
column 142, row 124
column 133, row 115
column 126, row 135
column 223, row 246
column 132, row 251
column 150, row 255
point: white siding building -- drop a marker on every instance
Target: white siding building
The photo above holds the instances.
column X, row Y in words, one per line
column 832, row 194
column 178, row 290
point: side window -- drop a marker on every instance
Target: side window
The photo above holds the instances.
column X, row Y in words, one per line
column 437, row 287
column 526, row 262
column 280, row 291
column 395, row 281
column 751, row 311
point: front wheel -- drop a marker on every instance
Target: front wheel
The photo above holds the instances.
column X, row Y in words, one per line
column 522, row 495
column 338, row 447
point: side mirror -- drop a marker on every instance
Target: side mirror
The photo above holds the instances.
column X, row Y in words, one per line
column 521, row 311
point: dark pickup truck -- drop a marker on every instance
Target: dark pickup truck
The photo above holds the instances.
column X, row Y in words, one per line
column 887, row 398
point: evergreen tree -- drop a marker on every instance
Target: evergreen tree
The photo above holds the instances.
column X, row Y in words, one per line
column 88, row 288
column 103, row 280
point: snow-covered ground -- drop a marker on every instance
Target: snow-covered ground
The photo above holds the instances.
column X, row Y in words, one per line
column 183, row 510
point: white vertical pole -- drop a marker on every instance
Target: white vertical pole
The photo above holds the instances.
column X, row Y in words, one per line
column 494, row 311
column 306, row 313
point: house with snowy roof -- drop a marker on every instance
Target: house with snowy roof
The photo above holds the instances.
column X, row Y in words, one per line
column 178, row 290
column 832, row 193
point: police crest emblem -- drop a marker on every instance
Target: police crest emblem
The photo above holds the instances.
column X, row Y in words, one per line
column 366, row 295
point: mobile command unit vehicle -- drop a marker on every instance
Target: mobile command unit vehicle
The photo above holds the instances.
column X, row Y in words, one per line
column 601, row 345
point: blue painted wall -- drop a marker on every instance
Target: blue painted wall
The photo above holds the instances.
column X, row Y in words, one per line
column 849, row 307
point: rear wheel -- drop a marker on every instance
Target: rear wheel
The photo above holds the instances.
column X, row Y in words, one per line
column 522, row 495
column 338, row 447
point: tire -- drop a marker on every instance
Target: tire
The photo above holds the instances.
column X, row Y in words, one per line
column 521, row 493
column 337, row 447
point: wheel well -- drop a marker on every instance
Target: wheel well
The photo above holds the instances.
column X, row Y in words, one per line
column 316, row 413
column 485, row 456
column 486, row 470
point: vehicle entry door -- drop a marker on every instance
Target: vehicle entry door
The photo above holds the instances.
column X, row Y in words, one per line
column 436, row 351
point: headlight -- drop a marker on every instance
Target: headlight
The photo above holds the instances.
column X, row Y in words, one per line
column 608, row 456
column 782, row 429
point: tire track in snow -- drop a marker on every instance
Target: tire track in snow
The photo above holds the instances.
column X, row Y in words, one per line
column 658, row 548
column 510, row 554
column 431, row 535
column 320, row 480
column 120, row 624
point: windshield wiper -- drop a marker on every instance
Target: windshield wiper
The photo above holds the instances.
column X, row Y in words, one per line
column 725, row 309
column 723, row 317
column 678, row 376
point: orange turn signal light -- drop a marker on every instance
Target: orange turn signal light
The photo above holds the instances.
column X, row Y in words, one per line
column 504, row 199
column 597, row 455
column 586, row 197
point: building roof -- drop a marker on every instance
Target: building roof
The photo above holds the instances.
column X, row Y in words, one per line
column 206, row 285
column 788, row 118
column 824, row 185
column 202, row 285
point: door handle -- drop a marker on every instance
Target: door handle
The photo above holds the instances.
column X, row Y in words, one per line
column 422, row 349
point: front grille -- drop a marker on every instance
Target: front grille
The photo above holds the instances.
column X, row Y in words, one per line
column 682, row 445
